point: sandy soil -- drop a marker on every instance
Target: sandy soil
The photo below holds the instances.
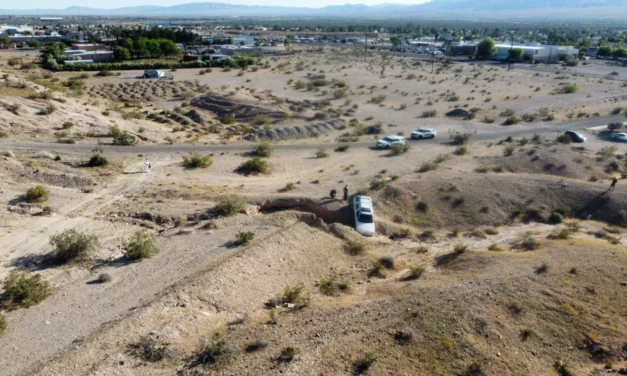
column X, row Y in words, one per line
column 461, row 311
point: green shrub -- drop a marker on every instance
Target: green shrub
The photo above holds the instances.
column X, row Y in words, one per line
column 332, row 288
column 460, row 137
column 288, row 354
column 215, row 352
column 71, row 245
column 149, row 349
column 104, row 278
column 569, row 88
column 140, row 246
column 227, row 119
column 354, row 247
column 3, row 324
column 256, row 346
column 97, row 160
column 428, row 166
column 509, row 150
column 415, row 272
column 342, row 148
column 399, row 149
column 294, row 294
column 263, row 150
column 254, row 166
column 429, row 113
column 243, row 238
column 37, row 194
column 542, row 268
column 230, row 205
column 527, row 242
column 460, row 248
column 196, row 160
column 377, row 184
column 512, row 120
column 23, row 289
column 121, row 137
column 322, row 153
column 461, row 150
column 362, row 365
column 67, row 125
column 441, row 158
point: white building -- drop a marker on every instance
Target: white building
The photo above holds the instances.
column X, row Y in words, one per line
column 536, row 53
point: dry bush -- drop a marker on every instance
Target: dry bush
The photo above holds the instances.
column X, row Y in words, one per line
column 140, row 246
column 196, row 160
column 23, row 289
column 37, row 194
column 71, row 245
column 230, row 205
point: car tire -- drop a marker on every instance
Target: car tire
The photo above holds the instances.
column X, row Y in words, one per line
column 432, row 136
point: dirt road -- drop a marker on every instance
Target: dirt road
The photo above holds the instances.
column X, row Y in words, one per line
column 483, row 134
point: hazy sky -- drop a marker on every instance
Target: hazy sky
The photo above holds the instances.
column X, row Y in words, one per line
column 47, row 4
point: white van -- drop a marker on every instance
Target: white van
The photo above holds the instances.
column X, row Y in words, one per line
column 364, row 217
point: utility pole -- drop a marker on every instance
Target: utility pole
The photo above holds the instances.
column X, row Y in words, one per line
column 510, row 53
column 433, row 62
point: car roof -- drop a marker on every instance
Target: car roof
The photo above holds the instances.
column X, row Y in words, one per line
column 394, row 136
column 571, row 131
column 426, row 129
column 365, row 202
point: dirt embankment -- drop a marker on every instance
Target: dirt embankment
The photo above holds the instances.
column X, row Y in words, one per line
column 469, row 200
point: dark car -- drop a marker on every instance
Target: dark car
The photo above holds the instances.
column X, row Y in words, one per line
column 575, row 136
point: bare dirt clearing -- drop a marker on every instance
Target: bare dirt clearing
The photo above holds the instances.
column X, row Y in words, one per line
column 499, row 251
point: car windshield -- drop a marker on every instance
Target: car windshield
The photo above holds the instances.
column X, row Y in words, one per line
column 365, row 218
column 389, row 139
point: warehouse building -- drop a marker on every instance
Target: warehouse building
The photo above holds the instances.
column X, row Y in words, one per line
column 537, row 53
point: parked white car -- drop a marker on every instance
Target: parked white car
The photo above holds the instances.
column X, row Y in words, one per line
column 389, row 141
column 619, row 136
column 422, row 133
column 364, row 218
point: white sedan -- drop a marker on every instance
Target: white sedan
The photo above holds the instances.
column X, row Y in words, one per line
column 422, row 133
column 390, row 141
column 364, row 218
column 619, row 136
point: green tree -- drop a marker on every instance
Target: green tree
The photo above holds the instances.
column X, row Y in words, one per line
column 396, row 41
column 55, row 50
column 486, row 49
column 605, row 51
column 5, row 41
column 620, row 52
column 34, row 44
column 168, row 47
column 121, row 53
column 127, row 43
column 153, row 48
column 515, row 54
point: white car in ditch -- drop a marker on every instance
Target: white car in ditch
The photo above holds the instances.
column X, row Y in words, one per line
column 364, row 218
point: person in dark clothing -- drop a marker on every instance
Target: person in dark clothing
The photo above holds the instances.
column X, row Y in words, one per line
column 333, row 193
column 346, row 193
column 614, row 181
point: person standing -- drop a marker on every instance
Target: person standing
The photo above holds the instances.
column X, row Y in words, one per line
column 614, row 181
column 346, row 193
column 146, row 166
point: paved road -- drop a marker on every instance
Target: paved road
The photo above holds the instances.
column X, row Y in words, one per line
column 484, row 132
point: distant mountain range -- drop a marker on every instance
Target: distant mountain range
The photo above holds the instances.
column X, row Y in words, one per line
column 451, row 9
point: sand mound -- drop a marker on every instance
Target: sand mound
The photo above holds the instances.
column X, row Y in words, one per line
column 471, row 200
